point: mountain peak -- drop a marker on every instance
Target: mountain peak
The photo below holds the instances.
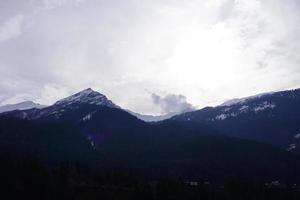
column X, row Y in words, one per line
column 88, row 90
column 25, row 105
column 88, row 96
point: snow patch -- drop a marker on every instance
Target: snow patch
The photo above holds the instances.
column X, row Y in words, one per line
column 88, row 116
column 297, row 136
column 244, row 109
column 291, row 147
column 221, row 117
column 91, row 142
column 264, row 106
column 227, row 109
column 225, row 116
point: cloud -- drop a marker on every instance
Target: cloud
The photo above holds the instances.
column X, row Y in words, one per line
column 51, row 4
column 172, row 103
column 208, row 50
column 11, row 28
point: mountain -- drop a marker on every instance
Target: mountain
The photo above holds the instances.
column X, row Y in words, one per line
column 89, row 111
column 48, row 142
column 270, row 118
column 87, row 123
column 20, row 106
column 87, row 96
column 153, row 118
column 152, row 151
column 60, row 110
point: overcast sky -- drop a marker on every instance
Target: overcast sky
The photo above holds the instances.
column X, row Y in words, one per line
column 143, row 53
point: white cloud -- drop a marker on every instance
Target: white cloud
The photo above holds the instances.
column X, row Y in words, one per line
column 172, row 103
column 11, row 28
column 208, row 50
column 50, row 4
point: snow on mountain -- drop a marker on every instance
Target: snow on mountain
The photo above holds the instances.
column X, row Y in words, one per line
column 20, row 106
column 270, row 118
column 297, row 136
column 225, row 116
column 88, row 116
column 230, row 111
column 92, row 97
column 88, row 96
column 264, row 106
column 64, row 106
column 235, row 101
column 291, row 147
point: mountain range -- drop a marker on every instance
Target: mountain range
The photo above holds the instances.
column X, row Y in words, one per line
column 83, row 96
column 254, row 137
column 270, row 118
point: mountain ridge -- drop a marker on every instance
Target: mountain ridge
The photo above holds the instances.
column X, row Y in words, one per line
column 121, row 141
column 24, row 105
column 271, row 118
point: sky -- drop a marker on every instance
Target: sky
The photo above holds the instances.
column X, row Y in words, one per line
column 149, row 56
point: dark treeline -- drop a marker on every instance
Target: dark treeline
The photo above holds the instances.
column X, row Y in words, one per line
column 29, row 179
column 51, row 160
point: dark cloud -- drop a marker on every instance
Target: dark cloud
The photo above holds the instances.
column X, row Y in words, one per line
column 172, row 103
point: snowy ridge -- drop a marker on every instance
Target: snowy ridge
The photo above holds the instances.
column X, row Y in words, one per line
column 235, row 101
column 69, row 104
column 88, row 96
column 20, row 106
